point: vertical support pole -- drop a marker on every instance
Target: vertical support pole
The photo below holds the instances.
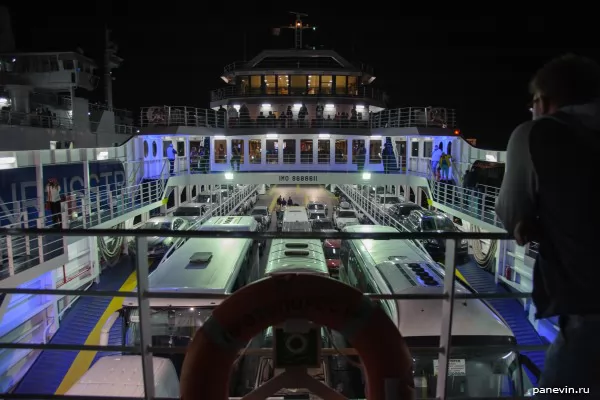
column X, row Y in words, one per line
column 141, row 244
column 447, row 311
column 41, row 192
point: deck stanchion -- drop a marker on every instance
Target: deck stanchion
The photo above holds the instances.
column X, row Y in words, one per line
column 447, row 311
column 141, row 243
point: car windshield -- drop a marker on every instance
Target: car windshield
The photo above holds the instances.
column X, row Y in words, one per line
column 322, row 224
column 346, row 214
column 175, row 324
column 331, row 253
column 473, row 374
column 258, row 211
column 187, row 212
column 437, row 223
column 159, row 226
column 389, row 200
column 405, row 210
column 203, row 198
column 316, row 206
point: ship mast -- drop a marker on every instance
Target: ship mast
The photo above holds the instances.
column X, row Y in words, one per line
column 111, row 61
column 298, row 27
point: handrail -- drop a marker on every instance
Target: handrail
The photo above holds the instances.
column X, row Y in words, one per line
column 105, row 331
column 62, row 313
column 260, row 235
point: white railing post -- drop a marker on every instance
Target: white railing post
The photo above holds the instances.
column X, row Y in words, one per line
column 64, row 224
column 10, row 255
column 40, row 239
column 97, row 190
column 110, row 203
column 84, row 209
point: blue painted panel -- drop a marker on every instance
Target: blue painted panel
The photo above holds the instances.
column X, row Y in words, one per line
column 19, row 183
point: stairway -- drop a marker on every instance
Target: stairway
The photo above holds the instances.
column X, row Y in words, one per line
column 50, row 368
column 511, row 311
column 48, row 371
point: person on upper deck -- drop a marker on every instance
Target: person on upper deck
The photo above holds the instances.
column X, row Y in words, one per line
column 533, row 205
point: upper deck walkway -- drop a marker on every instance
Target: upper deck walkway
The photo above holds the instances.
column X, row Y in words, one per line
column 107, row 206
column 407, row 117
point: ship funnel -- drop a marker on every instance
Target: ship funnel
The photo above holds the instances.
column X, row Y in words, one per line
column 7, row 39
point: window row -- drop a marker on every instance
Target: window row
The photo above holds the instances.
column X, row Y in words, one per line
column 298, row 85
column 306, row 151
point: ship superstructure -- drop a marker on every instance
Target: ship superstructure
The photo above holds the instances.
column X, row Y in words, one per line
column 295, row 118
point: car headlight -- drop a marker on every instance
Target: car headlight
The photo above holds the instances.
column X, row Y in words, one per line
column 464, row 242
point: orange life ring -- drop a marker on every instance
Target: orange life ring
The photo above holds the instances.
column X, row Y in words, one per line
column 386, row 359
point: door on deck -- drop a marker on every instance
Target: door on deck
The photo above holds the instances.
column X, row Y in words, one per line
column 401, row 154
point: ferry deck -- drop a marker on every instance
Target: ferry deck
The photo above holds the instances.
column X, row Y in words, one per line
column 59, row 299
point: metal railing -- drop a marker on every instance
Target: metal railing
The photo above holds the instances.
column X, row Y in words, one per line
column 80, row 209
column 294, row 63
column 39, row 121
column 13, row 118
column 479, row 203
column 423, row 117
column 292, row 158
column 360, row 92
column 146, row 349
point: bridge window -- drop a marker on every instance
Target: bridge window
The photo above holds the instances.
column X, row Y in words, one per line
column 289, row 151
column 326, row 84
column 306, row 151
column 298, row 85
column 341, row 151
column 374, row 151
column 340, row 85
column 324, row 154
column 256, row 84
column 239, row 144
column 270, row 84
column 427, row 148
column 356, row 144
column 68, row 64
column 414, row 149
column 272, row 151
column 254, row 151
column 283, row 83
column 313, row 84
column 220, row 150
column 352, row 86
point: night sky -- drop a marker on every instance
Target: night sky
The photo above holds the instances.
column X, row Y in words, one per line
column 175, row 52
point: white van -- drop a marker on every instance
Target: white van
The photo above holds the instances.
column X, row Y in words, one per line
column 121, row 376
column 295, row 220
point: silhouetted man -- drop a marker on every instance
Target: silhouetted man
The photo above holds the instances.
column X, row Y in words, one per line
column 548, row 159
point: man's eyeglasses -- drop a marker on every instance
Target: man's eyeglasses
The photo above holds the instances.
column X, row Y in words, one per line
column 533, row 102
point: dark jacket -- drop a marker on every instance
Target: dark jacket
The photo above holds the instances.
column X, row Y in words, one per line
column 551, row 175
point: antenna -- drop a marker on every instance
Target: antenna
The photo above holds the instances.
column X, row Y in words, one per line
column 111, row 61
column 298, row 27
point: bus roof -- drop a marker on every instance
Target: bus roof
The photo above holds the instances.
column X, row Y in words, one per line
column 380, row 250
column 390, row 263
column 298, row 256
column 230, row 223
column 295, row 214
column 200, row 265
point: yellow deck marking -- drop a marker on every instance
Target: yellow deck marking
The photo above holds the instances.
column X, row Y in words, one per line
column 84, row 359
column 273, row 203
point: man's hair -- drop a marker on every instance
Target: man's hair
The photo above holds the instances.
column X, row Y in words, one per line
column 568, row 80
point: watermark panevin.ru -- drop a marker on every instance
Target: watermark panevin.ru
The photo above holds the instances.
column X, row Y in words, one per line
column 562, row 390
